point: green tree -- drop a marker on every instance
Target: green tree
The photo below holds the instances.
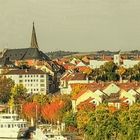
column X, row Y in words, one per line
column 40, row 98
column 19, row 93
column 69, row 119
column 6, row 84
column 108, row 72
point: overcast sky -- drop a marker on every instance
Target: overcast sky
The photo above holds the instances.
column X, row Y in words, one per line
column 74, row 25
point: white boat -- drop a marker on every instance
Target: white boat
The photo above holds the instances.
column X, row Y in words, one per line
column 11, row 125
column 38, row 134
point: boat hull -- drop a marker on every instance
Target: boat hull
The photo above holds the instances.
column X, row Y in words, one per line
column 9, row 133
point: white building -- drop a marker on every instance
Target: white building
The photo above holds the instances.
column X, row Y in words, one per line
column 96, row 63
column 117, row 59
column 130, row 63
column 34, row 80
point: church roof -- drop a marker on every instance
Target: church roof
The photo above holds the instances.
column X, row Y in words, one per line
column 6, row 63
column 24, row 54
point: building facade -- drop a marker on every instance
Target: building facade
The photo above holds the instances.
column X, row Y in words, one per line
column 34, row 80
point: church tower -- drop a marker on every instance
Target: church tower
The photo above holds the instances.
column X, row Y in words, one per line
column 34, row 43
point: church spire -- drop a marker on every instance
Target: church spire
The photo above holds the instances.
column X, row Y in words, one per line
column 34, row 43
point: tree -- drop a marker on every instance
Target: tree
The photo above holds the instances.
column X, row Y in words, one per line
column 121, row 71
column 19, row 93
column 55, row 109
column 41, row 99
column 6, row 84
column 70, row 121
column 31, row 110
column 50, row 111
column 136, row 72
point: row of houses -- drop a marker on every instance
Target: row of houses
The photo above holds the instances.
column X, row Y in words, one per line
column 92, row 62
column 83, row 90
column 114, row 94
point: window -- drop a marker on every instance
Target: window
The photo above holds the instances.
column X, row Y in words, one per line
column 20, row 81
column 18, row 125
column 41, row 75
column 42, row 80
column 42, row 89
column 42, row 85
column 20, row 76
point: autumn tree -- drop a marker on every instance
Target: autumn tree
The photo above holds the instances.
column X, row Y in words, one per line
column 56, row 109
column 121, row 71
column 31, row 110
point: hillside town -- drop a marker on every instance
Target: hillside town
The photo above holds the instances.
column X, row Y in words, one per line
column 86, row 93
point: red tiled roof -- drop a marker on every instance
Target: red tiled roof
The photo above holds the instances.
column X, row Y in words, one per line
column 69, row 66
column 128, row 86
column 79, row 76
column 123, row 99
column 83, row 68
column 74, row 76
column 85, row 103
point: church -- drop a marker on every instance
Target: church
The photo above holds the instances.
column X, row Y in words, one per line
column 29, row 56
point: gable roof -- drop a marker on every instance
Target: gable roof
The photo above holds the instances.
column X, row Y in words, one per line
column 24, row 72
column 6, row 63
column 74, row 76
column 24, row 54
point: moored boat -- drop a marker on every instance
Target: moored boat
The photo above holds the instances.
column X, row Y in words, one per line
column 12, row 126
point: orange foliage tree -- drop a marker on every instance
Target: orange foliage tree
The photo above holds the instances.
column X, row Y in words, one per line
column 31, row 110
column 50, row 112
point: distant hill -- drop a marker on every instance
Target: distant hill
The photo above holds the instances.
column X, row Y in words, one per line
column 59, row 54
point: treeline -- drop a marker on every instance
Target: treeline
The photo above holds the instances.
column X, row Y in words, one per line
column 59, row 54
column 107, row 123
column 111, row 72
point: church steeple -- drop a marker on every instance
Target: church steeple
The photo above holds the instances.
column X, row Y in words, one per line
column 34, row 43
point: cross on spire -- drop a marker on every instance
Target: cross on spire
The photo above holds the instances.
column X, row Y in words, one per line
column 34, row 43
